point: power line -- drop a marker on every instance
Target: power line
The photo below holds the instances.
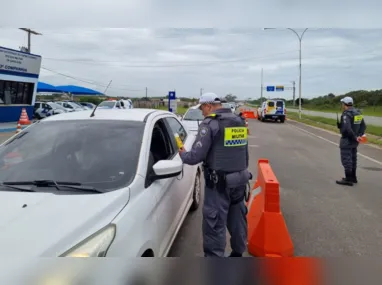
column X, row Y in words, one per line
column 97, row 84
column 201, row 63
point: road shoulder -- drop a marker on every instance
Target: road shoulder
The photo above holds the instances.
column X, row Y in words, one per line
column 369, row 151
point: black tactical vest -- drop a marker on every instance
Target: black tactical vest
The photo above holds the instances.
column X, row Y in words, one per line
column 228, row 152
column 355, row 119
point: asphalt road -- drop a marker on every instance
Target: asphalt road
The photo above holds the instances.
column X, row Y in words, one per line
column 324, row 219
column 376, row 121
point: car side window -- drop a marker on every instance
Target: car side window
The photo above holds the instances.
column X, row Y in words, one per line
column 161, row 147
column 177, row 127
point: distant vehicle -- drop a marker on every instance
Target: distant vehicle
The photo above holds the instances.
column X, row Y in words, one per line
column 46, row 109
column 116, row 104
column 80, row 105
column 71, row 106
column 87, row 104
column 230, row 106
column 192, row 118
column 112, row 185
column 272, row 110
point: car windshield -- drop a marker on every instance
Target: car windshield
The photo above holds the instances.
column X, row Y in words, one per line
column 56, row 106
column 77, row 104
column 97, row 153
column 279, row 104
column 226, row 105
column 193, row 115
column 109, row 104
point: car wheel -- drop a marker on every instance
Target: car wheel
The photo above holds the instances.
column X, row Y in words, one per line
column 282, row 120
column 262, row 119
column 196, row 195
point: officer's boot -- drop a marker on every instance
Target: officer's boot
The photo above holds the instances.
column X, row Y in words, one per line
column 354, row 176
column 348, row 180
column 235, row 254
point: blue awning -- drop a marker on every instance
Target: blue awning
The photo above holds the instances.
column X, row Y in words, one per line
column 45, row 87
column 76, row 90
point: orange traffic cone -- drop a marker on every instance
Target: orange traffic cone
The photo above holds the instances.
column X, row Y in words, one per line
column 246, row 125
column 18, row 129
column 24, row 120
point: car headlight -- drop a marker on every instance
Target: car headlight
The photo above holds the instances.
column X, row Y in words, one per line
column 96, row 245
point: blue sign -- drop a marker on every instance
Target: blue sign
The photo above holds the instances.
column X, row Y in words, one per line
column 270, row 88
column 280, row 88
column 171, row 101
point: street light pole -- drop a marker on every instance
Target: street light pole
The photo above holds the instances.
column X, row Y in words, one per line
column 299, row 81
column 262, row 86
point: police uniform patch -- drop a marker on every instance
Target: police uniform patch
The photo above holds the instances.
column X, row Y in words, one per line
column 199, row 144
column 203, row 131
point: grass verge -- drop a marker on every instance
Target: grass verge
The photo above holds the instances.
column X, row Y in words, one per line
column 179, row 111
column 374, row 133
column 367, row 111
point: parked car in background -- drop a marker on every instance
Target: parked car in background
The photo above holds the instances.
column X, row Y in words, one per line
column 87, row 104
column 230, row 106
column 71, row 106
column 192, row 118
column 116, row 104
column 112, row 185
column 46, row 109
column 80, row 105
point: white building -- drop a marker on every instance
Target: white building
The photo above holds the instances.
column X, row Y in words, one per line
column 19, row 73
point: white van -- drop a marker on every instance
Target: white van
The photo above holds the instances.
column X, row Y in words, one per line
column 116, row 104
column 272, row 110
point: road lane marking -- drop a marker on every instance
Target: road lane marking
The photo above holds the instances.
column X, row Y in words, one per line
column 336, row 144
column 333, row 133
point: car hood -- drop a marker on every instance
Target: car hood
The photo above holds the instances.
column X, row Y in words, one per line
column 191, row 125
column 45, row 224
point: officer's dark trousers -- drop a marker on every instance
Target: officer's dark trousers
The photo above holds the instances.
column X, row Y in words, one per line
column 218, row 214
column 349, row 159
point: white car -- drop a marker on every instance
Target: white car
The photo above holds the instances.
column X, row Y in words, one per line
column 71, row 106
column 115, row 104
column 230, row 106
column 112, row 185
column 192, row 118
column 46, row 109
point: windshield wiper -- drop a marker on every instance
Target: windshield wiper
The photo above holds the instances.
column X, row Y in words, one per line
column 18, row 188
column 58, row 184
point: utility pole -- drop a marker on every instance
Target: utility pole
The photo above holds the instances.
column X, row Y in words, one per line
column 201, row 91
column 146, row 92
column 29, row 31
column 262, row 77
column 294, row 93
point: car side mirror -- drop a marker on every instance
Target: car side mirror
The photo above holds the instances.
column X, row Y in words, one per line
column 166, row 169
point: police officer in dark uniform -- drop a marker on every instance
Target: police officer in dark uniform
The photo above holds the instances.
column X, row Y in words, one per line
column 222, row 146
column 352, row 127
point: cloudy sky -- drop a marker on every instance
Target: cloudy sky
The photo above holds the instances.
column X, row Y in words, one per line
column 217, row 60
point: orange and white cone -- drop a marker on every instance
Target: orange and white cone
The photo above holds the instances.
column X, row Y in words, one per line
column 18, row 129
column 246, row 125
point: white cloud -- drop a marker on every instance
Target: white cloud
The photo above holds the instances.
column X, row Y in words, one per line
column 222, row 61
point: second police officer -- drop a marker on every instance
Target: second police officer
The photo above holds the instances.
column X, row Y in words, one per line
column 352, row 127
column 222, row 145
